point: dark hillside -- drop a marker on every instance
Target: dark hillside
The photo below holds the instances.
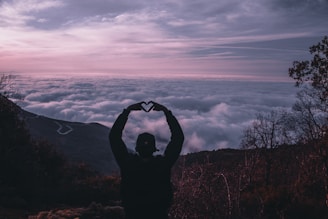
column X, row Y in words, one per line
column 231, row 184
column 35, row 176
column 80, row 142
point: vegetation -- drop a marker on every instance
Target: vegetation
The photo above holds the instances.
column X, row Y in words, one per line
column 7, row 87
column 230, row 184
column 315, row 71
column 5, row 84
column 35, row 176
column 306, row 125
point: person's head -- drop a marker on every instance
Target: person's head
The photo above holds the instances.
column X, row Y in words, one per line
column 146, row 145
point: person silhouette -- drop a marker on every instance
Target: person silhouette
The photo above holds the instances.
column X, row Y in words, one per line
column 146, row 189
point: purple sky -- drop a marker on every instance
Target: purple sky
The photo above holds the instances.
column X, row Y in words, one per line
column 219, row 38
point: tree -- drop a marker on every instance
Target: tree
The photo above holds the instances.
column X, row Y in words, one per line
column 314, row 71
column 267, row 132
column 312, row 105
column 6, row 85
column 309, row 117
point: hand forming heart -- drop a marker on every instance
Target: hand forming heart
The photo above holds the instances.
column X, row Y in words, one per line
column 147, row 106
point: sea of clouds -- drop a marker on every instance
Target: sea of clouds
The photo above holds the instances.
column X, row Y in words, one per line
column 213, row 113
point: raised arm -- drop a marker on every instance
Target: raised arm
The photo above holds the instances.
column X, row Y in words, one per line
column 117, row 144
column 173, row 149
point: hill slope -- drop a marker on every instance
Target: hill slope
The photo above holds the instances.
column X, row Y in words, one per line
column 79, row 142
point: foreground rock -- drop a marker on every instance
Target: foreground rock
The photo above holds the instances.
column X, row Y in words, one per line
column 94, row 211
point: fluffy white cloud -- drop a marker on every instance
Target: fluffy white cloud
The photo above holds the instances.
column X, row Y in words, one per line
column 213, row 113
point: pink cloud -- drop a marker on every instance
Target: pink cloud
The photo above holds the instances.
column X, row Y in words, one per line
column 132, row 42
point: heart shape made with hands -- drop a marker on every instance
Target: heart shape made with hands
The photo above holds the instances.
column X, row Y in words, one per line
column 147, row 106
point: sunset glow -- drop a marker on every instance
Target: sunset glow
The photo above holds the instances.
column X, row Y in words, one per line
column 233, row 38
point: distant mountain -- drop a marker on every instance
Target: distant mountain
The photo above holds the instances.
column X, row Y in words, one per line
column 79, row 142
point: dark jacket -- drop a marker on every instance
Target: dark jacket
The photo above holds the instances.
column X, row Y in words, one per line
column 146, row 183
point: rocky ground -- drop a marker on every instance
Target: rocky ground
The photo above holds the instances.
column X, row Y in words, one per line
column 93, row 211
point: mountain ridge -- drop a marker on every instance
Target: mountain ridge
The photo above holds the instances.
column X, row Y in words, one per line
column 78, row 142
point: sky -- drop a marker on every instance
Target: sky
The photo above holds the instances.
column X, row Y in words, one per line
column 213, row 113
column 214, row 63
column 194, row 38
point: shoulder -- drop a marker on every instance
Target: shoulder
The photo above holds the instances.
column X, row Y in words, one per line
column 130, row 158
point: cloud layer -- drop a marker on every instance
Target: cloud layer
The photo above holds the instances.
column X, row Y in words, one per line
column 213, row 113
column 229, row 37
